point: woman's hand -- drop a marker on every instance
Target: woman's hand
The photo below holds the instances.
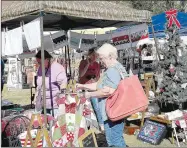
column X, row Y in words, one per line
column 88, row 61
column 79, row 86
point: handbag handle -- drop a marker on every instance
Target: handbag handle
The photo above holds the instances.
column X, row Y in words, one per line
column 121, row 73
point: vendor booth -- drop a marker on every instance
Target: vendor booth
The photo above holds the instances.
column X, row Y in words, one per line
column 62, row 15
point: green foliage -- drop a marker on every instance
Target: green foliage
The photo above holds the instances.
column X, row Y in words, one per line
column 174, row 68
column 157, row 6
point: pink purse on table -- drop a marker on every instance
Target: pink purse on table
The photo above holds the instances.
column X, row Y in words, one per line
column 129, row 98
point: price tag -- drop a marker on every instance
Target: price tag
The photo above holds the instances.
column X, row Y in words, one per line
column 182, row 123
column 173, row 124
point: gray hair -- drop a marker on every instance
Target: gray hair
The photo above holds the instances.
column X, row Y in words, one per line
column 107, row 50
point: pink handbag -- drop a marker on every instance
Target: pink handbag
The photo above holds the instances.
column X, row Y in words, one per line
column 129, row 98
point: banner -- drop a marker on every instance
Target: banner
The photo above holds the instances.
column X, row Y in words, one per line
column 88, row 41
column 121, row 39
column 59, row 40
column 51, row 42
column 130, row 37
column 82, row 41
column 75, row 39
column 103, row 38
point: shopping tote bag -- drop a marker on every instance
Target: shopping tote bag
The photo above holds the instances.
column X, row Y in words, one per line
column 129, row 98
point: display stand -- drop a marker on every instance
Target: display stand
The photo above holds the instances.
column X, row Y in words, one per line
column 41, row 132
column 148, row 83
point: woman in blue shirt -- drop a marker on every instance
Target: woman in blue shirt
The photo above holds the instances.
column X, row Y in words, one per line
column 105, row 86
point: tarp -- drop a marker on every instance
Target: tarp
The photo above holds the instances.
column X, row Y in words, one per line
column 159, row 22
column 121, row 39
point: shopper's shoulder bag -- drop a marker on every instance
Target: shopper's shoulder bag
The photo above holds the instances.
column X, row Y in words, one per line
column 128, row 98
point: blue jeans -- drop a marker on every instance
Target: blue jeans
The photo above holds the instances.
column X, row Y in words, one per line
column 114, row 133
column 95, row 105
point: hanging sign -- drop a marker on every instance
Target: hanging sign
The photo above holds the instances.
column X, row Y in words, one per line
column 59, row 39
column 130, row 36
column 103, row 38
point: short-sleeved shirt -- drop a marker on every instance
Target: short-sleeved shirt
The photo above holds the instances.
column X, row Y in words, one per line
column 111, row 78
column 93, row 72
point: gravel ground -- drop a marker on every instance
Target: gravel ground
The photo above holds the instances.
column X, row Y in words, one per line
column 132, row 141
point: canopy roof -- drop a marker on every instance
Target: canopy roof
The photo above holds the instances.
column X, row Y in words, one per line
column 72, row 14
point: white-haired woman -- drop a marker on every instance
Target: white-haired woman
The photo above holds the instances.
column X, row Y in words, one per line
column 106, row 85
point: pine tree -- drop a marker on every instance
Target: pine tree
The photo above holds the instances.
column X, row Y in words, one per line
column 173, row 68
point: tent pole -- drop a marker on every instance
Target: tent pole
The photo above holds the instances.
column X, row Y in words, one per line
column 68, row 50
column 66, row 61
column 156, row 44
column 43, row 67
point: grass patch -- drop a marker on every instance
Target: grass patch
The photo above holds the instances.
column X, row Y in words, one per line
column 17, row 96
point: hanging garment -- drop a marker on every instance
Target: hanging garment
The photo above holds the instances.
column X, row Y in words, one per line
column 14, row 42
column 12, row 80
column 72, row 121
column 3, row 41
column 33, row 34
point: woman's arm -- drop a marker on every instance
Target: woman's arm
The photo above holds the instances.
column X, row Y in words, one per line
column 101, row 93
column 62, row 80
column 92, row 86
column 98, row 71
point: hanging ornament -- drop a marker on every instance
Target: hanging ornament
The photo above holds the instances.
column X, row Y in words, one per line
column 172, row 69
column 161, row 90
column 171, row 16
column 176, row 77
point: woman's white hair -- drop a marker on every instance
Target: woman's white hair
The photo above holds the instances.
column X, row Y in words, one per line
column 107, row 50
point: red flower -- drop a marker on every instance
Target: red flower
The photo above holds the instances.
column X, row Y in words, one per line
column 172, row 70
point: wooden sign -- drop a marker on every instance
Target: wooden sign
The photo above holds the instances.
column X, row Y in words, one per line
column 88, row 139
